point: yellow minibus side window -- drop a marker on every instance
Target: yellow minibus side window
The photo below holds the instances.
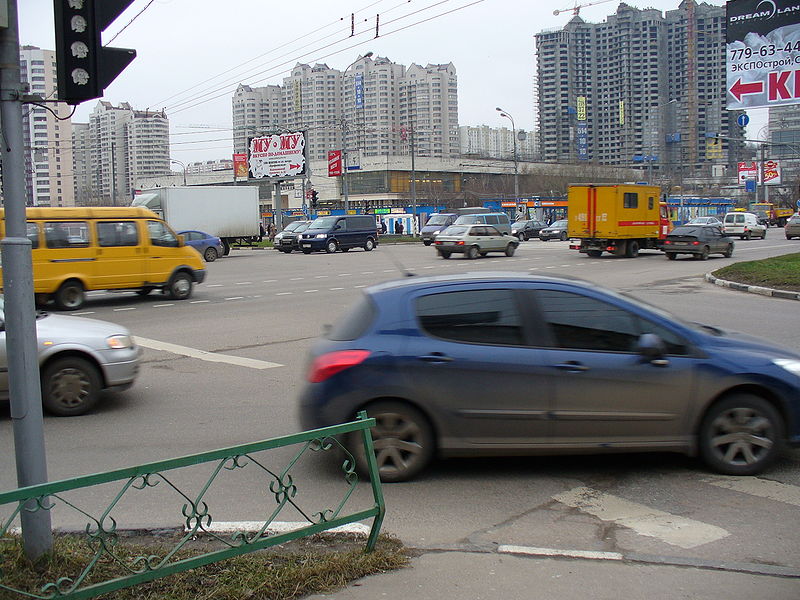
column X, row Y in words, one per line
column 33, row 234
column 66, row 234
column 117, row 233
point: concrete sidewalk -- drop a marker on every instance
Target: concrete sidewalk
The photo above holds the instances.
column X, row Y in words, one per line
column 462, row 575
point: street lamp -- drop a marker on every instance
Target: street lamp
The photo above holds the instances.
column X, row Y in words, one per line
column 504, row 113
column 177, row 162
column 345, row 191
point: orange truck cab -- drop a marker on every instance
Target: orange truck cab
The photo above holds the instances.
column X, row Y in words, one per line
column 620, row 219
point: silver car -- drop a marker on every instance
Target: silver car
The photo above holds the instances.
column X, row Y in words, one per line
column 473, row 241
column 78, row 358
column 792, row 227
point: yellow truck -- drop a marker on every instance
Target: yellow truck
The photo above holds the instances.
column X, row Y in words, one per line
column 773, row 215
column 620, row 219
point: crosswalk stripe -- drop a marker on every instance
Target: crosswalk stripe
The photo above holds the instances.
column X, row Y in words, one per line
column 644, row 520
column 207, row 356
column 763, row 488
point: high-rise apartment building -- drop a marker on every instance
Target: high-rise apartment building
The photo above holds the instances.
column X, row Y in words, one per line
column 370, row 108
column 49, row 177
column 640, row 87
column 496, row 142
column 124, row 144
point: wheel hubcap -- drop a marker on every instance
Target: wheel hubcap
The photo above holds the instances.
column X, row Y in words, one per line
column 182, row 286
column 397, row 441
column 70, row 387
column 741, row 436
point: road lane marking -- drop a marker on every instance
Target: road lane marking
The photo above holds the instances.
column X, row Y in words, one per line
column 284, row 294
column 162, row 305
column 269, row 281
column 644, row 520
column 296, row 279
column 244, row 283
column 121, row 309
column 199, row 301
column 359, row 286
column 321, row 277
column 250, row 363
column 763, row 488
column 309, row 291
column 533, row 551
column 215, row 285
column 336, row 289
column 235, row 298
column 345, row 274
column 80, row 314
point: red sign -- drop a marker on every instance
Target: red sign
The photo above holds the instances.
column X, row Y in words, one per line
column 334, row 163
column 240, row 165
column 279, row 155
column 747, row 170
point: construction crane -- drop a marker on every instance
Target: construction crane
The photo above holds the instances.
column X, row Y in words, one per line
column 577, row 8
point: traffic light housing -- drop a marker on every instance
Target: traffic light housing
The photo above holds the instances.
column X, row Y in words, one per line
column 84, row 67
column 314, row 198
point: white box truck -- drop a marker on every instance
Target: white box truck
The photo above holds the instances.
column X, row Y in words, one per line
column 229, row 212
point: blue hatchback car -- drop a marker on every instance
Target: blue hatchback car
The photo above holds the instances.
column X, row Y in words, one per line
column 510, row 364
column 209, row 246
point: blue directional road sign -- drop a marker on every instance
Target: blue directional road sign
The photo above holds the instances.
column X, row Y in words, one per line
column 743, row 120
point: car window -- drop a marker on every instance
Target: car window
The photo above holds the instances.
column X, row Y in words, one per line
column 161, row 235
column 354, row 323
column 492, row 219
column 117, row 233
column 583, row 323
column 492, row 230
column 66, row 234
column 687, row 230
column 474, row 316
column 33, row 234
column 456, row 230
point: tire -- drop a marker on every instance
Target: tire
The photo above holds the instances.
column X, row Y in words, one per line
column 594, row 253
column 331, row 246
column 484, row 254
column 672, row 255
column 210, row 254
column 444, row 254
column 145, row 291
column 563, row 236
column 41, row 300
column 179, row 286
column 748, row 235
column 510, row 249
column 403, row 440
column 226, row 247
column 741, row 435
column 520, row 237
column 369, row 245
column 306, row 251
column 427, row 242
column 764, row 236
column 70, row 296
column 70, row 386
column 632, row 249
column 345, row 249
column 728, row 252
column 703, row 255
column 287, row 250
column 472, row 252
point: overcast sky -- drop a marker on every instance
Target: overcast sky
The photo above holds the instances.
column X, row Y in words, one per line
column 191, row 54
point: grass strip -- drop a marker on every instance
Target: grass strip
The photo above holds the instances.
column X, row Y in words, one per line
column 778, row 272
column 318, row 564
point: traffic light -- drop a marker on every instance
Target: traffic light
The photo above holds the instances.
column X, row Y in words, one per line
column 84, row 67
column 314, row 198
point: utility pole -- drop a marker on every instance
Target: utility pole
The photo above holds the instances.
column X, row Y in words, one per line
column 413, row 186
column 20, row 315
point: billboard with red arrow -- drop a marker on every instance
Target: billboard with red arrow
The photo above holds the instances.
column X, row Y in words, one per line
column 278, row 155
column 763, row 53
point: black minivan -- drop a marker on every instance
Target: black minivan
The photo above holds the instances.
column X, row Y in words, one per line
column 340, row 232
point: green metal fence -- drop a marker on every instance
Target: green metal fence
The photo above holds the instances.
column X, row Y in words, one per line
column 102, row 530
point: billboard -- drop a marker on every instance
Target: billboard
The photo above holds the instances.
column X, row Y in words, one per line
column 763, row 53
column 359, row 90
column 334, row 163
column 278, row 155
column 748, row 171
column 240, row 164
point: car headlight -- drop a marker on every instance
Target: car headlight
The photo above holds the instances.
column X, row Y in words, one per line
column 119, row 342
column 790, row 364
column 321, row 235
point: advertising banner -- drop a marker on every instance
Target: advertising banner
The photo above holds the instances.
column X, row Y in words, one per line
column 581, row 108
column 334, row 163
column 748, row 171
column 240, row 165
column 359, row 83
column 278, row 155
column 583, row 140
column 772, row 172
column 763, row 53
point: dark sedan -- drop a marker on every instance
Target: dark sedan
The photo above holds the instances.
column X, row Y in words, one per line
column 503, row 364
column 209, row 246
column 288, row 239
column 555, row 231
column 699, row 241
column 525, row 230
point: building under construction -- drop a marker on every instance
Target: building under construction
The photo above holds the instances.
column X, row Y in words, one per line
column 642, row 88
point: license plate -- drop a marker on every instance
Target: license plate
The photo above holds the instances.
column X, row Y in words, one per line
column 306, row 245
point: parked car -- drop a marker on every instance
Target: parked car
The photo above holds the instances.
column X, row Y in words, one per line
column 698, row 240
column 209, row 246
column 288, row 239
column 743, row 224
column 555, row 231
column 525, row 230
column 78, row 358
column 704, row 221
column 792, row 227
column 505, row 364
column 343, row 232
column 473, row 241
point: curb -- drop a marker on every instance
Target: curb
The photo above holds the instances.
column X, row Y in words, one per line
column 752, row 289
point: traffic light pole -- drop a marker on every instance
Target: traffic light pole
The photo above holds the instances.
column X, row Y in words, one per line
column 20, row 314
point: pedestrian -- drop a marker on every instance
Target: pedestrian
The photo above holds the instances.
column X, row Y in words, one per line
column 272, row 231
column 261, row 231
column 398, row 227
column 383, row 226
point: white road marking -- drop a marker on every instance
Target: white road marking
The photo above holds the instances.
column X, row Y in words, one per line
column 269, row 281
column 121, row 309
column 345, row 274
column 533, row 551
column 429, row 267
column 162, row 305
column 367, row 272
column 284, row 294
column 309, row 291
column 321, row 277
column 296, row 279
column 215, row 285
column 388, row 270
column 244, row 283
column 278, row 527
column 235, row 298
column 359, row 286
column 199, row 301
column 763, row 488
column 207, row 356
column 336, row 289
column 644, row 520
column 80, row 314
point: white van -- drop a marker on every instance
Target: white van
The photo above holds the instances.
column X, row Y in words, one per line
column 743, row 224
column 498, row 220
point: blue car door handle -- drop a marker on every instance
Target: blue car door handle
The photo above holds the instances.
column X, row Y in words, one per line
column 435, row 357
column 572, row 366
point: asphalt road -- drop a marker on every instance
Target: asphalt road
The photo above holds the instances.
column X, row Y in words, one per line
column 267, row 307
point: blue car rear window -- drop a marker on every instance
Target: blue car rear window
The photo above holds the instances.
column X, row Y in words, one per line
column 353, row 325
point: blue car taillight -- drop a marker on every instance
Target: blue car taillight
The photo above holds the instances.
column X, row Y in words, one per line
column 329, row 364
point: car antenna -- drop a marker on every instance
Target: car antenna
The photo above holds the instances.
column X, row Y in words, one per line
column 399, row 265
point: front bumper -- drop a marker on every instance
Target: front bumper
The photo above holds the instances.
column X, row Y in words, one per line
column 120, row 367
column 199, row 275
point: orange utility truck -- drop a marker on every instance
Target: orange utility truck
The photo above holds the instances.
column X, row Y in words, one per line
column 619, row 219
